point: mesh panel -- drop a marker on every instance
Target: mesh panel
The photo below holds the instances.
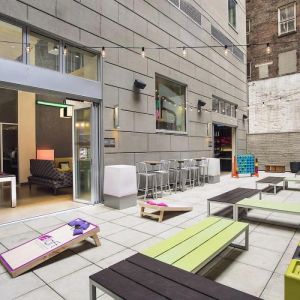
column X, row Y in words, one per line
column 218, row 35
column 175, row 2
column 191, row 11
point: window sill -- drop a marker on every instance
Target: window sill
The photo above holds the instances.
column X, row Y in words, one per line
column 171, row 132
column 287, row 33
column 232, row 27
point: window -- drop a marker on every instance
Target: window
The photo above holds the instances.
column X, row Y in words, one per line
column 287, row 62
column 13, row 34
column 263, row 70
column 249, row 65
column 232, row 12
column 170, row 105
column 81, row 63
column 215, row 104
column 44, row 52
column 287, row 19
column 248, row 26
column 223, row 107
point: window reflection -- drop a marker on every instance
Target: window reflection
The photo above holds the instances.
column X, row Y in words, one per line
column 81, row 63
column 14, row 49
column 170, row 105
column 44, row 52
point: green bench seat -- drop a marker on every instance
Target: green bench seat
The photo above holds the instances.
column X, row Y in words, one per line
column 281, row 207
column 192, row 248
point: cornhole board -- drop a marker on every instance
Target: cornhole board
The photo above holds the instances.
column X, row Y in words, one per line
column 30, row 254
column 171, row 206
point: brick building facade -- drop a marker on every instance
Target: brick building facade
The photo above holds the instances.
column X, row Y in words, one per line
column 273, row 76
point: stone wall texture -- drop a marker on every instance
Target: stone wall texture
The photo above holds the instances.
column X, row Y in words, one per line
column 150, row 23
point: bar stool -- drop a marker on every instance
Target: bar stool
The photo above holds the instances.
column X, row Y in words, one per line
column 164, row 173
column 175, row 172
column 187, row 167
column 194, row 171
column 204, row 169
column 142, row 172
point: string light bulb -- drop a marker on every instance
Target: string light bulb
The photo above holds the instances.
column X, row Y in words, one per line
column 268, row 49
column 263, row 104
column 103, row 52
column 143, row 52
column 225, row 49
column 28, row 48
column 65, row 50
column 184, row 52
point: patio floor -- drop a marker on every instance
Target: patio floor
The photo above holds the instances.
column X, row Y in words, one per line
column 258, row 271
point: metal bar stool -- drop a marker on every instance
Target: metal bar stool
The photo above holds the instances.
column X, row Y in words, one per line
column 164, row 173
column 204, row 169
column 142, row 172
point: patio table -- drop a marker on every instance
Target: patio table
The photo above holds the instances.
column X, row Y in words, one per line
column 12, row 180
column 272, row 184
column 230, row 198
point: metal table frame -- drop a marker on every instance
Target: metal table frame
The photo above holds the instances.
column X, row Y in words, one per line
column 13, row 186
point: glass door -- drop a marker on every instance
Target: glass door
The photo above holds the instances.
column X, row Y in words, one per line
column 82, row 152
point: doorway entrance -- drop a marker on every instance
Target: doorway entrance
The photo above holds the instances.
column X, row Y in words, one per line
column 224, row 145
column 53, row 139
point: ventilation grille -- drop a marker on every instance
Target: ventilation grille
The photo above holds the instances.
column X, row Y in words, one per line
column 188, row 9
column 175, row 2
column 218, row 35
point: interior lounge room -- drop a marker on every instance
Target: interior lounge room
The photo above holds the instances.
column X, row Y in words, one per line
column 36, row 146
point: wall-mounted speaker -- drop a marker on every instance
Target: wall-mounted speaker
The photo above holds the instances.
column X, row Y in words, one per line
column 139, row 84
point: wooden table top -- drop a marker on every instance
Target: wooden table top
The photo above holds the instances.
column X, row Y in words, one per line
column 271, row 179
column 235, row 195
column 141, row 277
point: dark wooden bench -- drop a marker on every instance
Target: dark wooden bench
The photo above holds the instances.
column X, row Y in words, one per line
column 230, row 198
column 141, row 277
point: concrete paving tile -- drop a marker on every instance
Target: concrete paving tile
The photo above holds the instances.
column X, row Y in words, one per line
column 15, row 240
column 115, row 258
column 61, row 265
column 146, row 244
column 69, row 216
column 94, row 254
column 262, row 240
column 152, row 227
column 275, row 230
column 109, row 228
column 128, row 237
column 192, row 221
column 130, row 210
column 13, row 229
column 130, row 221
column 76, row 285
column 246, row 278
column 43, row 293
column 257, row 257
column 95, row 209
column 275, row 288
column 44, row 222
column 11, row 288
column 112, row 215
column 169, row 233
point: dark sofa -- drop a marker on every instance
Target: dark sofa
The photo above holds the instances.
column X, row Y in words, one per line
column 44, row 172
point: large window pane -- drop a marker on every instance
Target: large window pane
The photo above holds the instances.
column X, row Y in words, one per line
column 232, row 12
column 44, row 52
column 8, row 106
column 81, row 63
column 13, row 34
column 215, row 104
column 170, row 105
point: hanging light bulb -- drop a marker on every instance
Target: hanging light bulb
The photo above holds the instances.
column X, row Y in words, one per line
column 268, row 49
column 28, row 48
column 65, row 50
column 103, row 52
column 263, row 104
column 184, row 52
column 225, row 49
column 191, row 109
column 143, row 52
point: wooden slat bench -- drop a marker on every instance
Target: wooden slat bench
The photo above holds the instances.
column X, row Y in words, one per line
column 141, row 277
column 280, row 207
column 192, row 248
column 157, row 212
